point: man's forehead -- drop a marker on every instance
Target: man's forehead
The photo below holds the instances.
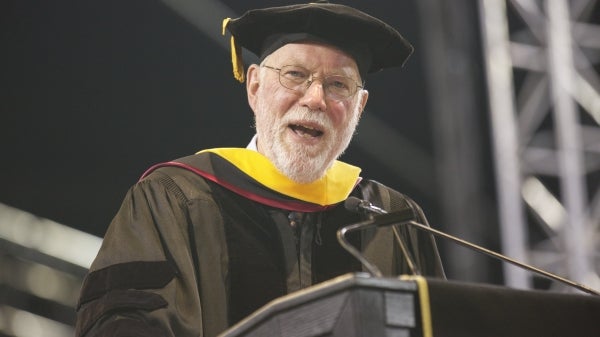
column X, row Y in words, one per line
column 314, row 54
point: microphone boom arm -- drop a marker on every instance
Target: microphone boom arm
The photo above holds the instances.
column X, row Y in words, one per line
column 400, row 218
column 341, row 236
column 373, row 270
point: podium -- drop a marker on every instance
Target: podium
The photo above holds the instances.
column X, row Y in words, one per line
column 355, row 305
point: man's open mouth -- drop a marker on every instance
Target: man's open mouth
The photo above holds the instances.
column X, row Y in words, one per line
column 305, row 131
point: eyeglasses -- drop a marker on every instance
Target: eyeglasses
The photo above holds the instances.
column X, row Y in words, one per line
column 297, row 78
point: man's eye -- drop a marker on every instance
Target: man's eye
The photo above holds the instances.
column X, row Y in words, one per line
column 339, row 84
column 295, row 74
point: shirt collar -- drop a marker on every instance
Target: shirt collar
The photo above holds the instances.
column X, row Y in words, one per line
column 252, row 144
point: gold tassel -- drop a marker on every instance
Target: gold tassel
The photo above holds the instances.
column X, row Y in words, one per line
column 236, row 56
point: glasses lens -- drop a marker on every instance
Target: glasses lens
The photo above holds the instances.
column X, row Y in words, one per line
column 294, row 77
column 339, row 86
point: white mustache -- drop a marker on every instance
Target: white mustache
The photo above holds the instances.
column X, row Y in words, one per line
column 306, row 115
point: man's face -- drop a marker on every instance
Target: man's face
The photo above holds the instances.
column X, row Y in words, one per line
column 303, row 132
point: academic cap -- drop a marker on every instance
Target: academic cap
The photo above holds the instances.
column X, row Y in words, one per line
column 372, row 43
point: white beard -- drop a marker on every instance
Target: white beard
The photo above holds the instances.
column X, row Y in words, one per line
column 301, row 163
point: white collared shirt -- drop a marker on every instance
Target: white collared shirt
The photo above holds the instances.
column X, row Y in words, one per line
column 252, row 144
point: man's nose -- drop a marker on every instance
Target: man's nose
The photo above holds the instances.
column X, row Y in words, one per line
column 314, row 96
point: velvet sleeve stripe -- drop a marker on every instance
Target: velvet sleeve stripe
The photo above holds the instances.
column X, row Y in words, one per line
column 117, row 300
column 128, row 327
column 130, row 275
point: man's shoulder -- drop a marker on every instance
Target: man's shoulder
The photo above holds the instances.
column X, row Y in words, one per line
column 181, row 174
column 180, row 166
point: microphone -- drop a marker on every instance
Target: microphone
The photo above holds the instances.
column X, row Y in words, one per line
column 403, row 217
column 357, row 205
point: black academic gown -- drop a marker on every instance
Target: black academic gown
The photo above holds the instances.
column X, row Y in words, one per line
column 189, row 254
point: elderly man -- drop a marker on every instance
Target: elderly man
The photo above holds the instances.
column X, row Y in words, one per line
column 201, row 242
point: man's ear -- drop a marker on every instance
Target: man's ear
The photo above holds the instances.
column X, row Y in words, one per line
column 252, row 84
column 364, row 97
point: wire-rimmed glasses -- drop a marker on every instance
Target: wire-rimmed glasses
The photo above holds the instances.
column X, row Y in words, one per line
column 298, row 78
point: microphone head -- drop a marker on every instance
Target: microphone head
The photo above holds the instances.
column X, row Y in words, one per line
column 353, row 204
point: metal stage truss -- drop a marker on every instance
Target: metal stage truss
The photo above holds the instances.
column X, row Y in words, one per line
column 541, row 60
